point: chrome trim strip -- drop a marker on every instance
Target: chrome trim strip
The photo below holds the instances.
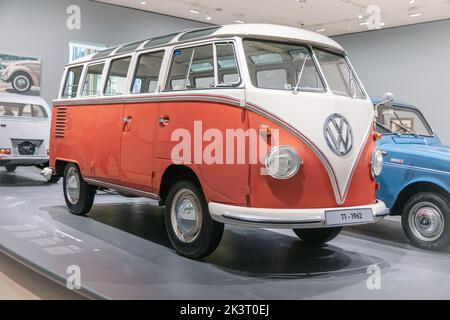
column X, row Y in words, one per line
column 113, row 186
column 153, row 98
column 389, row 164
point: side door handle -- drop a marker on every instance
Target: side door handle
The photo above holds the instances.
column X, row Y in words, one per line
column 127, row 123
column 127, row 119
column 164, row 121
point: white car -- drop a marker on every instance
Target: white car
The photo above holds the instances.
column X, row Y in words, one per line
column 24, row 131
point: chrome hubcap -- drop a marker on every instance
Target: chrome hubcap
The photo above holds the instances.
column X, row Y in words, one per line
column 426, row 221
column 73, row 186
column 21, row 82
column 186, row 215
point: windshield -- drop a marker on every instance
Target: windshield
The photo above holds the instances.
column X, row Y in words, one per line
column 282, row 66
column 401, row 120
column 339, row 75
column 22, row 110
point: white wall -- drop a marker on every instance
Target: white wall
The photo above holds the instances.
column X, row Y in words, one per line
column 413, row 62
column 37, row 28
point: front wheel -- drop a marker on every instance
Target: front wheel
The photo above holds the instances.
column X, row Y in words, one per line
column 426, row 221
column 317, row 236
column 191, row 230
column 78, row 194
column 10, row 168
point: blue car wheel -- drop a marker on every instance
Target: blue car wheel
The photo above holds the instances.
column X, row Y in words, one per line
column 426, row 220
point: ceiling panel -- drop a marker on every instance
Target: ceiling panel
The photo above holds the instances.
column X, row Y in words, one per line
column 331, row 17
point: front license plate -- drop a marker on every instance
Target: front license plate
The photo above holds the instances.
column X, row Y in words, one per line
column 343, row 217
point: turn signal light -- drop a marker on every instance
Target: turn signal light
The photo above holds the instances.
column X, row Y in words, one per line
column 5, row 151
column 377, row 136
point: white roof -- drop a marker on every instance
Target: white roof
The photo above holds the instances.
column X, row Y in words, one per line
column 278, row 31
column 20, row 98
column 258, row 30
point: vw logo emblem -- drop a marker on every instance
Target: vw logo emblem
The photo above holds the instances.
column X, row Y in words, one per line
column 338, row 134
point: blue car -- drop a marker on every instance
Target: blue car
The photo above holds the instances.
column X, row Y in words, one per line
column 415, row 182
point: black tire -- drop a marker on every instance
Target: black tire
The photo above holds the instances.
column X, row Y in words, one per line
column 416, row 217
column 317, row 236
column 25, row 84
column 209, row 232
column 10, row 168
column 54, row 179
column 82, row 204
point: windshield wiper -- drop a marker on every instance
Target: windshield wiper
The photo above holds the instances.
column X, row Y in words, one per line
column 402, row 125
column 385, row 128
column 297, row 86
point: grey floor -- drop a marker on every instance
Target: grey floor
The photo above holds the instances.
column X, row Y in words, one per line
column 122, row 252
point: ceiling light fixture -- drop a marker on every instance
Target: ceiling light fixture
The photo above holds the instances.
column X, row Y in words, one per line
column 143, row 3
column 412, row 1
column 194, row 11
column 239, row 21
column 321, row 30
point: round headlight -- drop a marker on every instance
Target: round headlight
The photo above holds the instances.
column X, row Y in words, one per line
column 282, row 162
column 377, row 162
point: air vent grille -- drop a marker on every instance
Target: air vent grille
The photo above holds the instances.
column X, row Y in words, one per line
column 61, row 122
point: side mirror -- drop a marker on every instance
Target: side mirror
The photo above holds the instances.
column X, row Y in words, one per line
column 388, row 99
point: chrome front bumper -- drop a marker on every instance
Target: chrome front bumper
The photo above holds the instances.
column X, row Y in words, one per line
column 285, row 218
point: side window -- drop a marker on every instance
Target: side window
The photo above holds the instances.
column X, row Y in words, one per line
column 192, row 68
column 116, row 82
column 147, row 72
column 227, row 68
column 91, row 87
column 72, row 81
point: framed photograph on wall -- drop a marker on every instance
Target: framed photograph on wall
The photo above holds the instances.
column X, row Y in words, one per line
column 19, row 74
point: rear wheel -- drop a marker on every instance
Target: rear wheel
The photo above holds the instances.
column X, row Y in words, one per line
column 191, row 230
column 317, row 236
column 10, row 168
column 426, row 221
column 78, row 194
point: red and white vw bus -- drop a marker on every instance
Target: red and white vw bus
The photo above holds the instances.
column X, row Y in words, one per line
column 252, row 125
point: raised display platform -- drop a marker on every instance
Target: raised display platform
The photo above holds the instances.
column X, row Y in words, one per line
column 123, row 253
